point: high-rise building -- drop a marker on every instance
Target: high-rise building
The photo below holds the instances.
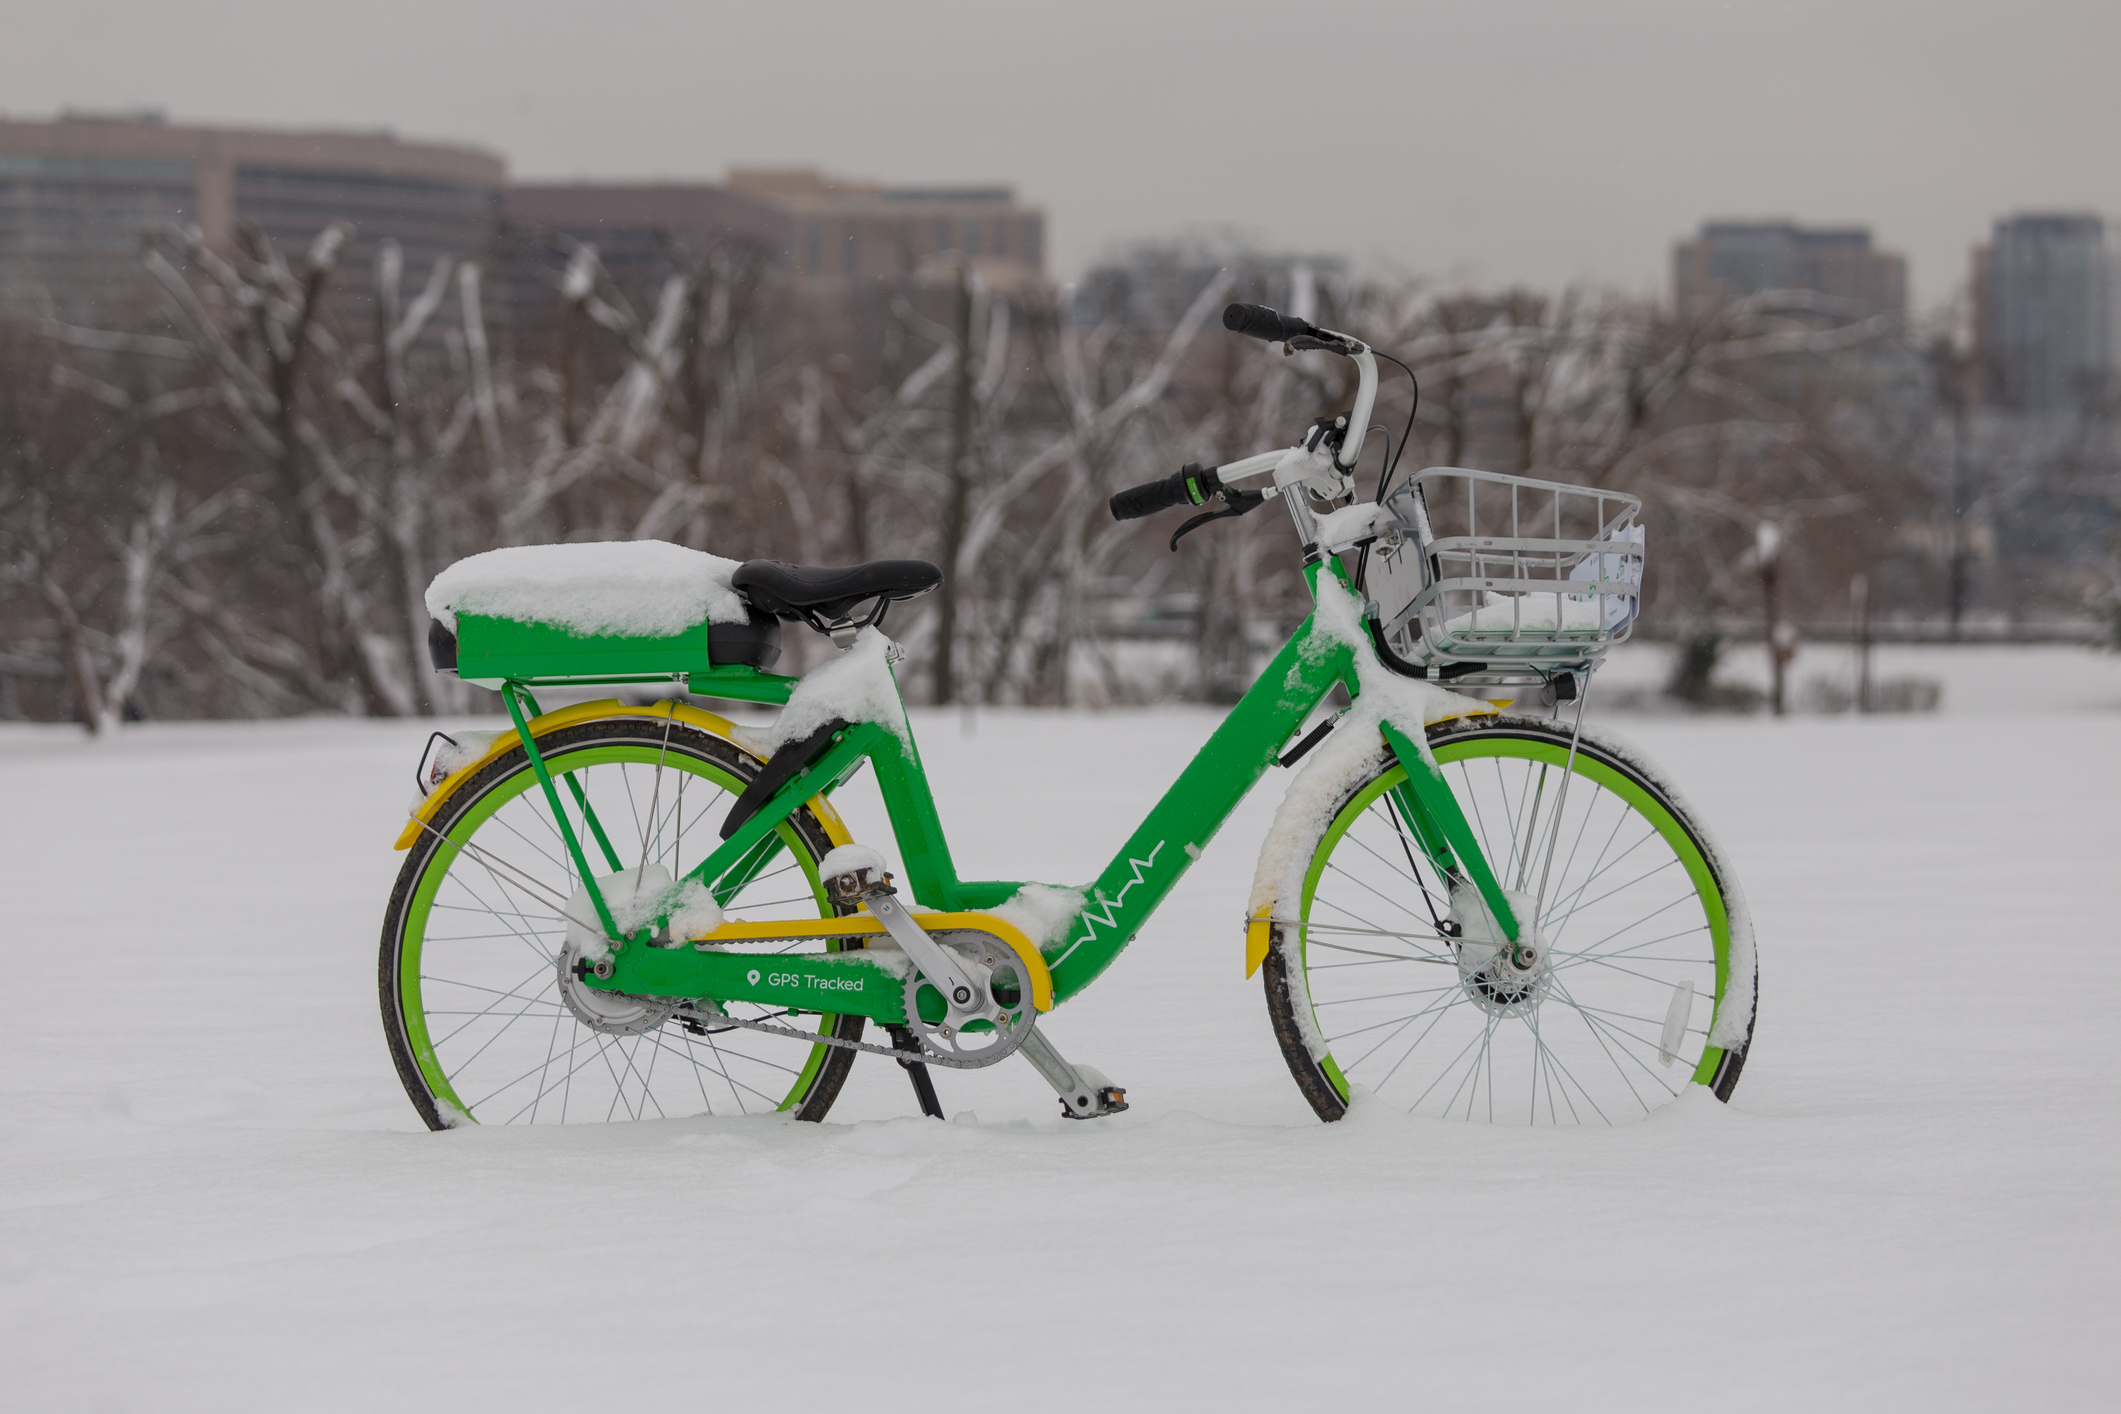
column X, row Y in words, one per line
column 841, row 230
column 2043, row 311
column 78, row 194
column 1733, row 259
column 849, row 252
column 643, row 232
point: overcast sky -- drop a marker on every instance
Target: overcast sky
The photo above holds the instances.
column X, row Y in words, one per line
column 1543, row 141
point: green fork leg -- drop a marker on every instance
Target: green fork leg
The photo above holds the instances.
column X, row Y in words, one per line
column 1441, row 827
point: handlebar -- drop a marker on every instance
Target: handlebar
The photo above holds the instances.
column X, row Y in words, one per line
column 1195, row 485
column 1190, row 486
column 1260, row 322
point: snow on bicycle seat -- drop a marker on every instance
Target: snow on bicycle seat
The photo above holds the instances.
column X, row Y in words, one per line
column 613, row 588
column 610, row 611
column 799, row 591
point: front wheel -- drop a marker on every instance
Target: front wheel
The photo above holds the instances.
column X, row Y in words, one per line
column 1643, row 979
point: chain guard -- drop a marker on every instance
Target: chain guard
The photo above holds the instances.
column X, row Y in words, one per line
column 936, row 1047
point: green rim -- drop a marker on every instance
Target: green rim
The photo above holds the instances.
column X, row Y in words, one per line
column 1590, row 767
column 411, row 1006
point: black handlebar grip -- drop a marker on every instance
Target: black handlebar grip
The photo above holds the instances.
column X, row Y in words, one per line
column 1188, row 487
column 1260, row 322
column 1150, row 497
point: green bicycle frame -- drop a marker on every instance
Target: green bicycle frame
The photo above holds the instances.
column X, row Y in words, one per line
column 1125, row 894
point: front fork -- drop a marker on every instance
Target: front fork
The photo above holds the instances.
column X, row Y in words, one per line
column 1439, row 827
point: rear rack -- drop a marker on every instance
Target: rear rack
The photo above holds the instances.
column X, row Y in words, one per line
column 1503, row 580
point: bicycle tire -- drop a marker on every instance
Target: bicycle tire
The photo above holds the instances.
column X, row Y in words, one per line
column 483, row 813
column 1616, row 815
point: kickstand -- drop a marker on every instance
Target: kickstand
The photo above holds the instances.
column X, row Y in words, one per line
column 917, row 1071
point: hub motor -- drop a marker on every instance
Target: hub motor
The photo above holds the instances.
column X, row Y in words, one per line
column 613, row 1013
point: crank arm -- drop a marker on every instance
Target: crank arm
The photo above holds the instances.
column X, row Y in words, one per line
column 960, row 992
column 1084, row 1093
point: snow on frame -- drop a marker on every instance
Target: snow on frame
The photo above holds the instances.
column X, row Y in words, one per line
column 1043, row 913
column 1350, row 753
column 622, row 588
column 857, row 686
column 1337, row 530
column 635, row 898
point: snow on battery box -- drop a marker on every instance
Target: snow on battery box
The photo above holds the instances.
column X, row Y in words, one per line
column 606, row 612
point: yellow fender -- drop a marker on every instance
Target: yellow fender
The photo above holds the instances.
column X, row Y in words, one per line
column 865, row 925
column 1259, row 936
column 835, row 828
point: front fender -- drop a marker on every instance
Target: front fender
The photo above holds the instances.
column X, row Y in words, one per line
column 1335, row 768
column 609, row 707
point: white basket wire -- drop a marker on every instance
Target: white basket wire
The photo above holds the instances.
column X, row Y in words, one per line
column 1497, row 579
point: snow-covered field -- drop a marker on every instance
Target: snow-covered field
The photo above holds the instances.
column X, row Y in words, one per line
column 216, row 1196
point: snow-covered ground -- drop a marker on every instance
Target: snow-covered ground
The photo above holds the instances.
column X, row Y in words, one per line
column 216, row 1196
column 1972, row 677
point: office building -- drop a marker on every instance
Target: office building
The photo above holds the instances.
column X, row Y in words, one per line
column 1731, row 260
column 78, row 194
column 643, row 233
column 845, row 251
column 2043, row 312
column 842, row 230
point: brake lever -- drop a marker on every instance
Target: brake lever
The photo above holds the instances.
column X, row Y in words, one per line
column 1237, row 503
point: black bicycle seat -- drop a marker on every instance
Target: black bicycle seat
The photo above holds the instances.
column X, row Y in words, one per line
column 803, row 591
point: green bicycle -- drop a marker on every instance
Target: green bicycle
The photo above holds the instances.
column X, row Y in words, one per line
column 624, row 912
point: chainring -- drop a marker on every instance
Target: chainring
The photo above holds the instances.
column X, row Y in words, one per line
column 1005, row 1003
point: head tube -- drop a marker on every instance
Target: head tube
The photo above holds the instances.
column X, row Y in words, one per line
column 1306, row 523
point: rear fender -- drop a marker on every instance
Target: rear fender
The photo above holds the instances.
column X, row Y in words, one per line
column 604, row 710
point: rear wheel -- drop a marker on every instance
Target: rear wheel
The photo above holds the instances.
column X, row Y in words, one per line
column 484, row 1020
column 1366, row 987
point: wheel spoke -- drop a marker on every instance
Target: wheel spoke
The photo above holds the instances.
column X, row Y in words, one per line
column 1476, row 1046
column 485, row 1005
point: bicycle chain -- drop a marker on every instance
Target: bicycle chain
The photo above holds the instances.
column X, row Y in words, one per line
column 1001, row 1051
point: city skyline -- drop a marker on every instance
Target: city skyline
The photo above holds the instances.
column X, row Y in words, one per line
column 1722, row 259
column 1543, row 145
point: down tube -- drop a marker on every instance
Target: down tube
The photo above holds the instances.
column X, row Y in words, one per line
column 1190, row 813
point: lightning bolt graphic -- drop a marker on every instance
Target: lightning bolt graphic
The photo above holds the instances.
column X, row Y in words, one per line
column 1092, row 917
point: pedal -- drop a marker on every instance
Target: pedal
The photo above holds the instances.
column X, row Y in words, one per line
column 850, row 871
column 1101, row 1097
column 1085, row 1092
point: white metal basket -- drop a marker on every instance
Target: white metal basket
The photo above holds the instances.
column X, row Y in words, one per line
column 1496, row 579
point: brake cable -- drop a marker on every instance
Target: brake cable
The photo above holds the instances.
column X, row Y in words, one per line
column 1384, row 478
